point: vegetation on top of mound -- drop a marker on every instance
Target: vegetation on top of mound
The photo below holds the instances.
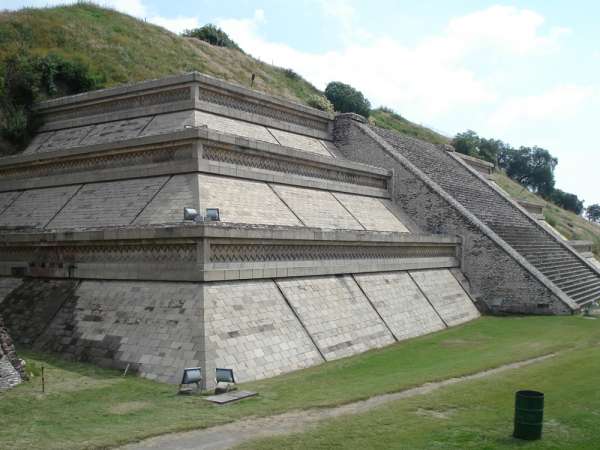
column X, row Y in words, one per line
column 347, row 99
column 213, row 35
column 386, row 118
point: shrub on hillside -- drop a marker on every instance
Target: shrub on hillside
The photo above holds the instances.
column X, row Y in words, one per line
column 213, row 35
column 347, row 99
column 26, row 79
column 320, row 102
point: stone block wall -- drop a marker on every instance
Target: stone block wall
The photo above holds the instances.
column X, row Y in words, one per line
column 501, row 281
column 11, row 371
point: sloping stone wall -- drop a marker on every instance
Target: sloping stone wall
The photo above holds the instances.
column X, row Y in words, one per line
column 11, row 371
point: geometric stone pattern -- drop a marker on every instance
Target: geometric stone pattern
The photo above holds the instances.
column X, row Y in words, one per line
column 62, row 139
column 250, row 328
column 371, row 213
column 336, row 314
column 34, row 208
column 155, row 327
column 243, row 201
column 6, row 198
column 300, row 142
column 167, row 206
column 231, row 126
column 167, row 123
column 114, row 203
column 400, row 303
column 316, row 208
column 116, row 131
column 446, row 295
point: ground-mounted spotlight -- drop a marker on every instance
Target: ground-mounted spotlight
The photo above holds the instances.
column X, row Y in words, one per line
column 192, row 375
column 191, row 214
column 213, row 215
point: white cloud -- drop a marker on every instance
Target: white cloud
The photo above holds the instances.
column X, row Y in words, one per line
column 431, row 76
column 555, row 104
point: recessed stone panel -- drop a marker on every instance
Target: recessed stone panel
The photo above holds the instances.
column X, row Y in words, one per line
column 251, row 329
column 115, row 203
column 243, row 201
column 6, row 198
column 300, row 142
column 7, row 285
column 446, row 295
column 167, row 206
column 371, row 212
column 400, row 303
column 37, row 141
column 168, row 123
column 62, row 139
column 36, row 207
column 154, row 327
column 316, row 208
column 116, row 131
column 232, row 126
column 337, row 315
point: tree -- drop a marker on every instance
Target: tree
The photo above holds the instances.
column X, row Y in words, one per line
column 347, row 99
column 533, row 167
column 469, row 143
column 213, row 35
column 593, row 213
column 567, row 201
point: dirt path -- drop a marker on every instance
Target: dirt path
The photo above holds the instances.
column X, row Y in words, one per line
column 229, row 435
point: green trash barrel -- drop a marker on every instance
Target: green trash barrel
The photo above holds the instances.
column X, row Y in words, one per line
column 529, row 415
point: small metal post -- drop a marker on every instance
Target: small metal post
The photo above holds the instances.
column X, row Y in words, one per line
column 43, row 381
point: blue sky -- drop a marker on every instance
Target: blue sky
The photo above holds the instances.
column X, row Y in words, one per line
column 526, row 72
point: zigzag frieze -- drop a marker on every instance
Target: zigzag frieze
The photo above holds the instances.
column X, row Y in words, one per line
column 262, row 110
column 96, row 162
column 111, row 106
column 95, row 253
column 223, row 253
column 279, row 165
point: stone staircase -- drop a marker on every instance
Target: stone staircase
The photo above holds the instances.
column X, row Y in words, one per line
column 554, row 259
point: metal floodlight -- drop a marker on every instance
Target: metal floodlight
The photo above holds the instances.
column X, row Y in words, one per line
column 192, row 375
column 188, row 126
column 224, row 376
column 190, row 214
column 213, row 215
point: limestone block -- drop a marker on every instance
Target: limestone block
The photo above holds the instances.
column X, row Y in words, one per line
column 371, row 212
column 243, row 201
column 6, row 198
column 35, row 208
column 62, row 139
column 300, row 142
column 167, row 206
column 251, row 329
column 336, row 314
column 446, row 295
column 405, row 310
column 37, row 141
column 115, row 203
column 155, row 327
column 116, row 131
column 167, row 123
column 232, row 126
column 9, row 377
column 317, row 208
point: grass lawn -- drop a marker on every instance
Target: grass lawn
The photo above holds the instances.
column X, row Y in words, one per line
column 87, row 407
column 474, row 415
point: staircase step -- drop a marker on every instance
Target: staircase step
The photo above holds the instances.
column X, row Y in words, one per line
column 588, row 298
column 585, row 287
column 566, row 283
column 562, row 271
column 558, row 266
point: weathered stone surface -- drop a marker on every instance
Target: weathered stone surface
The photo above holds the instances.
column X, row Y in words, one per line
column 231, row 126
column 166, row 123
column 371, row 212
column 336, row 314
column 156, row 328
column 116, row 131
column 6, row 198
column 317, row 208
column 401, row 304
column 62, row 139
column 36, row 207
column 305, row 143
column 7, row 285
column 241, row 201
column 447, row 296
column 167, row 206
column 11, row 370
column 29, row 308
column 107, row 204
column 251, row 329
